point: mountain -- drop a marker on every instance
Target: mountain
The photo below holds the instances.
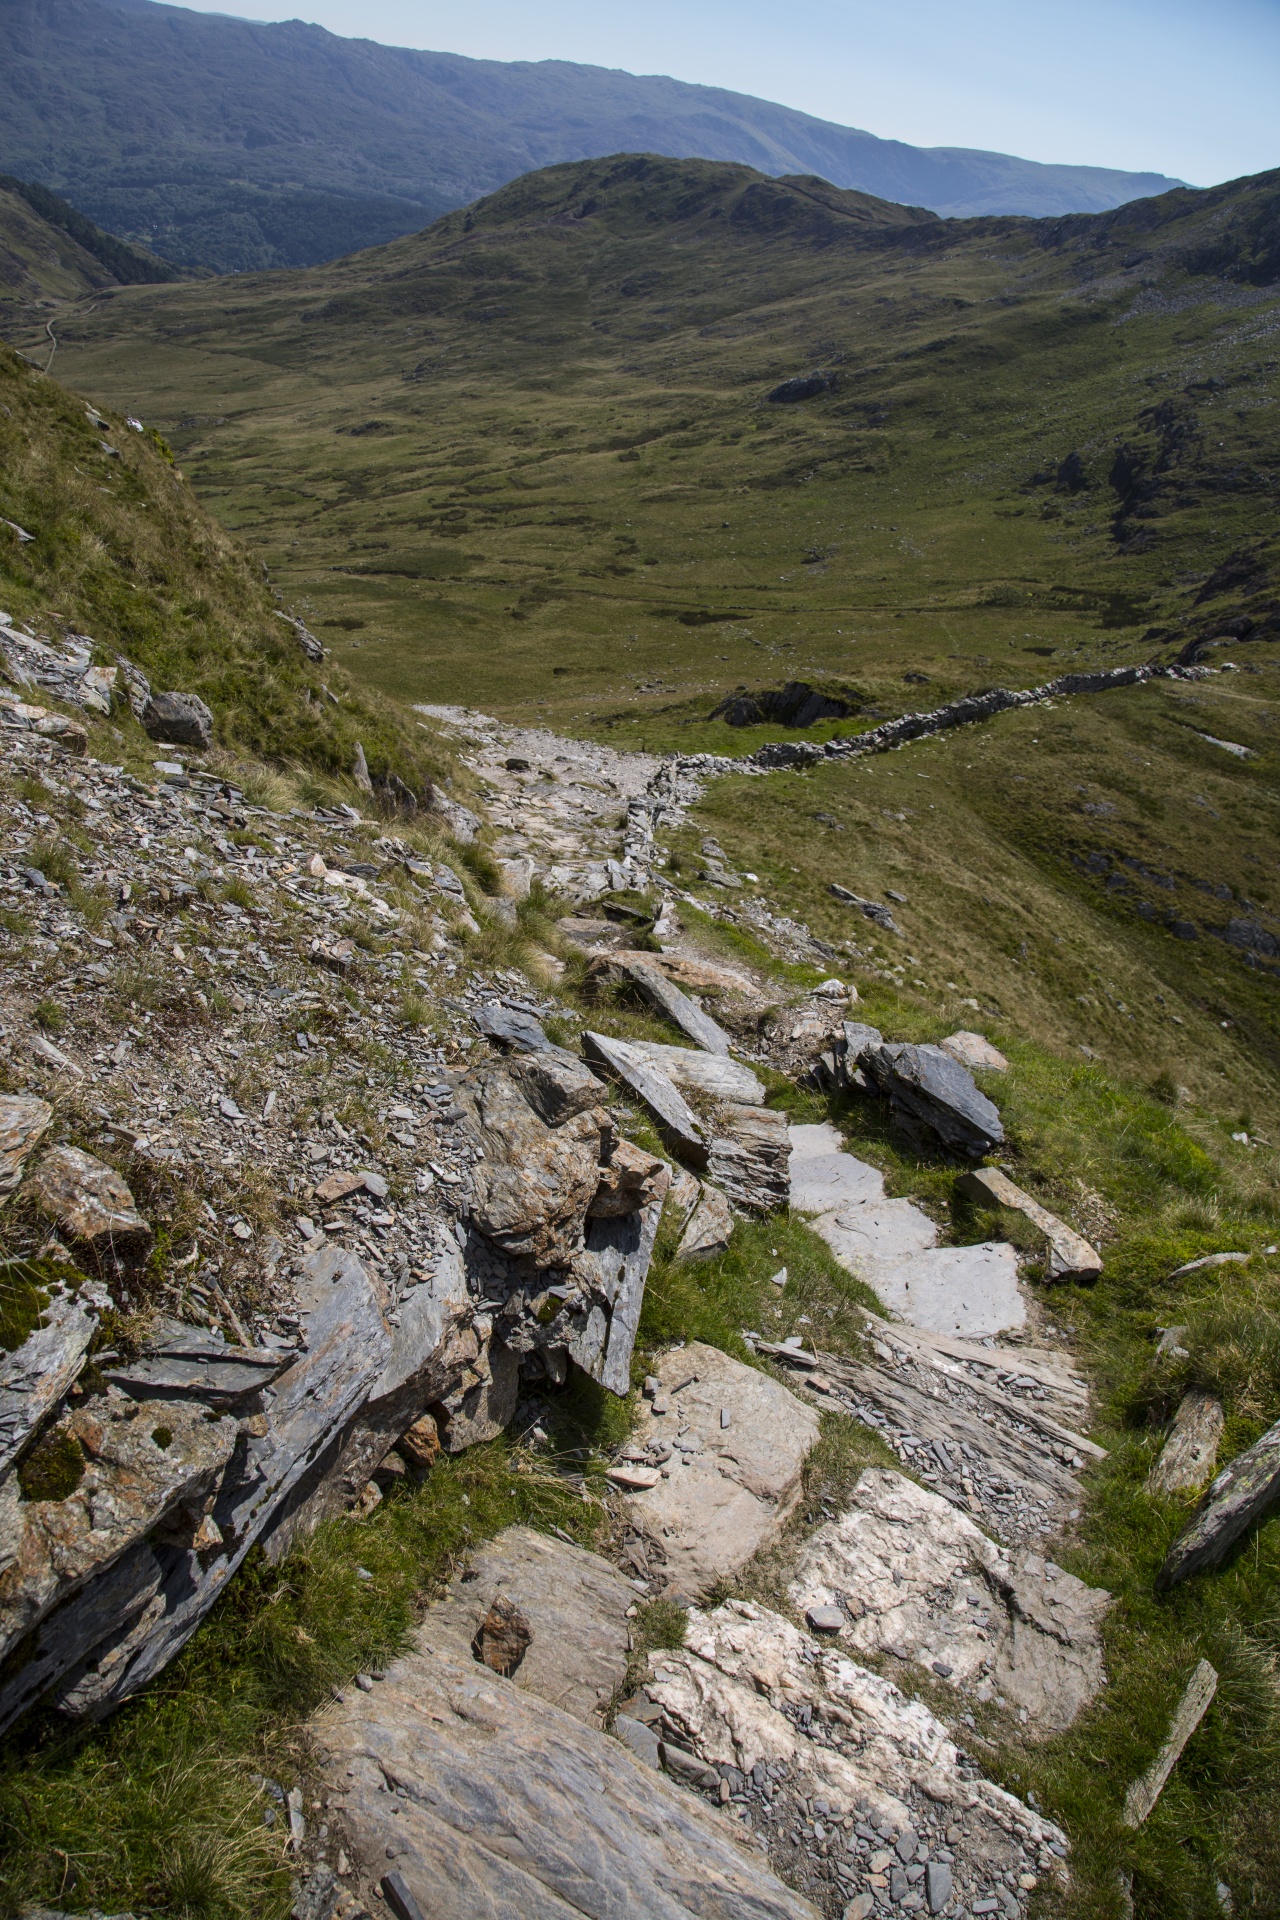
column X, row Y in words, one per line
column 50, row 253
column 222, row 143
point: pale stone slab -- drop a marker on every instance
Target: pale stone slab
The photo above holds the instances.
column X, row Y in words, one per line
column 824, row 1176
column 975, row 1051
column 1192, row 1708
column 1070, row 1255
column 738, row 1482
column 711, row 1073
column 730, row 1696
column 576, row 1607
column 672, row 1112
column 911, row 1575
column 750, row 1158
column 709, row 1228
column 489, row 1802
column 1186, row 1460
column 963, row 1291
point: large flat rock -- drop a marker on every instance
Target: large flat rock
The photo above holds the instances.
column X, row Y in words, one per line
column 730, row 1483
column 575, row 1604
column 964, row 1292
column 492, row 1804
column 751, row 1693
column 711, row 1073
column 913, row 1577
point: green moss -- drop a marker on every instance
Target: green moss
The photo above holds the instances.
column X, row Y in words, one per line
column 163, row 1437
column 23, row 1299
column 53, row 1468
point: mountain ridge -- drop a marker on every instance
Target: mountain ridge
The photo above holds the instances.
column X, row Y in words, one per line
column 238, row 145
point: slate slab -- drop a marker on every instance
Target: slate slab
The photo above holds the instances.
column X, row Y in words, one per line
column 487, row 1800
column 930, row 1094
column 677, row 1122
column 575, row 1604
column 738, row 1483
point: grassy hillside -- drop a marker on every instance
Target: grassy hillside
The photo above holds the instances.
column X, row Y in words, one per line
column 237, row 144
column 121, row 550
column 527, row 460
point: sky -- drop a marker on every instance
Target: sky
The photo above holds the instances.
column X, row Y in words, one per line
column 1182, row 87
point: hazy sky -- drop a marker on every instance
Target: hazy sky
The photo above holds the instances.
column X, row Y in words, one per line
column 1184, row 87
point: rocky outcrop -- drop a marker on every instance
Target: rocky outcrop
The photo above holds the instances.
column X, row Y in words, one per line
column 179, row 720
column 91, row 1206
column 533, row 1182
column 1068, row 1254
column 749, row 1158
column 485, row 1799
column 23, row 1123
column 902, row 1572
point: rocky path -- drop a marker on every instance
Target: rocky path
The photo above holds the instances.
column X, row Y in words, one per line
column 464, row 1220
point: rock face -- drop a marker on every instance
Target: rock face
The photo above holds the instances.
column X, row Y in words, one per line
column 1187, row 1457
column 486, row 1800
column 752, row 1697
column 23, row 1123
column 974, row 1051
column 678, row 1124
column 731, row 1483
column 930, row 1094
column 180, row 720
column 574, row 1605
column 709, row 1227
column 749, row 1158
column 37, row 1373
column 912, row 1577
column 534, row 1182
column 1247, row 1487
column 629, row 1181
column 111, row 1577
column 117, row 1469
column 92, row 1206
column 695, row 1072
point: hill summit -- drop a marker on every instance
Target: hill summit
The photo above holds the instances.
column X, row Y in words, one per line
column 236, row 145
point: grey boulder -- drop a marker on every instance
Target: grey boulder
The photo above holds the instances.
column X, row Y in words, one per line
column 179, row 720
column 929, row 1093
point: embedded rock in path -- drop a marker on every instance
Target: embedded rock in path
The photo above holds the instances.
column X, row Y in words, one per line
column 114, row 1469
column 1186, row 1460
column 532, row 1183
column 36, row 1374
column 731, row 1483
column 962, row 1291
column 1246, row 1489
column 179, row 720
column 749, row 1159
column 574, row 1605
column 974, row 1051
column 929, row 1093
column 486, row 1800
column 914, row 1577
column 679, row 1125
column 709, row 1227
column 709, row 1073
column 751, row 1693
column 1070, row 1256
column 91, row 1205
column 23, row 1123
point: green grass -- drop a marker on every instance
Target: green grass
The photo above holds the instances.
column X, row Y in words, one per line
column 585, row 506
